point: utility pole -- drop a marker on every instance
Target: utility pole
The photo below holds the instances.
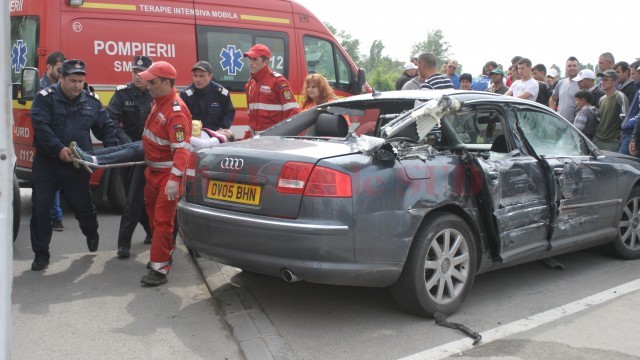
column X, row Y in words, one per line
column 6, row 181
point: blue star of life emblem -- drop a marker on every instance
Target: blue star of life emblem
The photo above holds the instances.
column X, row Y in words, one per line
column 18, row 56
column 231, row 59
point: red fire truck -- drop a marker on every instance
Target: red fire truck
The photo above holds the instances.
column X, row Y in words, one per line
column 107, row 34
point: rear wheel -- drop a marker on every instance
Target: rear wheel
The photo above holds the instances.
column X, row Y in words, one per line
column 194, row 253
column 440, row 268
column 627, row 244
column 17, row 207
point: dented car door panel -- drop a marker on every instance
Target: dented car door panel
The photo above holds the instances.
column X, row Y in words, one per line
column 586, row 201
column 518, row 193
column 583, row 189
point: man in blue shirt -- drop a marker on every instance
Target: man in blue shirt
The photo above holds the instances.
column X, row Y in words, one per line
column 54, row 67
column 484, row 81
column 450, row 69
column 631, row 120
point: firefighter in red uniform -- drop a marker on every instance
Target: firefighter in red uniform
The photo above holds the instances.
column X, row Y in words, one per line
column 269, row 96
column 165, row 139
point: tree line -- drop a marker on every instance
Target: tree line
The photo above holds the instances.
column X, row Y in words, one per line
column 383, row 71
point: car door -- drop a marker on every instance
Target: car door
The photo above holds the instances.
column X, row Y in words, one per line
column 514, row 202
column 585, row 199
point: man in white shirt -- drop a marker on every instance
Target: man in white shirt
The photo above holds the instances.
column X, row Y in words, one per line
column 527, row 87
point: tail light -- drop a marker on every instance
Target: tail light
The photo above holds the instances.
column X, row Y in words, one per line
column 293, row 177
column 310, row 180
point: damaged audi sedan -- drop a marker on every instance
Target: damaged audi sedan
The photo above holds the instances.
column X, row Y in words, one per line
column 416, row 190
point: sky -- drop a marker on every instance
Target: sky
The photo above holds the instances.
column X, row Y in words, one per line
column 544, row 31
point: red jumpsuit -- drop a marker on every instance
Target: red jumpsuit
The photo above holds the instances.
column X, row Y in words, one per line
column 166, row 138
column 270, row 99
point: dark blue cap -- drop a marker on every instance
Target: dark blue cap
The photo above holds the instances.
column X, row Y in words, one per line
column 73, row 67
column 141, row 63
column 204, row 66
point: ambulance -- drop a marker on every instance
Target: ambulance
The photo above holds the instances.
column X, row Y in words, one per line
column 107, row 34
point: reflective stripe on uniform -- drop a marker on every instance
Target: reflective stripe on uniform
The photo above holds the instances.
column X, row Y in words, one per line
column 160, row 165
column 176, row 171
column 181, row 145
column 291, row 105
column 155, row 139
column 273, row 107
column 191, row 172
column 261, row 106
column 161, row 267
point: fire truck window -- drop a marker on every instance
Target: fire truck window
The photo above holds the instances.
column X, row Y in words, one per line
column 24, row 43
column 319, row 57
column 344, row 73
column 223, row 49
column 323, row 57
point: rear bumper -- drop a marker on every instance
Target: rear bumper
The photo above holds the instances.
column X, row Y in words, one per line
column 316, row 253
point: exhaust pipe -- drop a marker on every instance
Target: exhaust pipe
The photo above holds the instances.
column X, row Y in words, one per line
column 289, row 276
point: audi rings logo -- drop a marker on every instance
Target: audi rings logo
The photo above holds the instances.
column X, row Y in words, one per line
column 232, row 164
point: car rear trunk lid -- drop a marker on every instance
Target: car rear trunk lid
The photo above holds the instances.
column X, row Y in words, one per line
column 243, row 176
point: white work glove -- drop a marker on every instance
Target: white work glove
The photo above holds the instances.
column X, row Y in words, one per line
column 171, row 190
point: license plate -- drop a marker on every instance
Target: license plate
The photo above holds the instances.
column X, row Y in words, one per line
column 237, row 193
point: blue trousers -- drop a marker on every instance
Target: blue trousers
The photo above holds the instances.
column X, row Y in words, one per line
column 56, row 210
column 49, row 177
column 624, row 146
column 120, row 154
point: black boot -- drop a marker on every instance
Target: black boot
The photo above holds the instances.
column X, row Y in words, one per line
column 154, row 278
column 123, row 253
column 92, row 242
column 39, row 264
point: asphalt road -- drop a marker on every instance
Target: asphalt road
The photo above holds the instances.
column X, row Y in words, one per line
column 92, row 306
column 332, row 322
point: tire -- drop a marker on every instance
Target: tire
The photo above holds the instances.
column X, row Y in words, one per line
column 194, row 253
column 433, row 281
column 17, row 207
column 627, row 244
column 116, row 194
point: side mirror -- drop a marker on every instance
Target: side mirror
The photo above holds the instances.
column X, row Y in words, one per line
column 29, row 85
column 358, row 87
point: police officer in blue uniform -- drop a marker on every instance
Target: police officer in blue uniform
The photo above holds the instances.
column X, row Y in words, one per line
column 131, row 104
column 60, row 114
column 129, row 108
column 207, row 100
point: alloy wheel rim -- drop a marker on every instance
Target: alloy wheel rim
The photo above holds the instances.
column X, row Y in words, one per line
column 630, row 225
column 446, row 266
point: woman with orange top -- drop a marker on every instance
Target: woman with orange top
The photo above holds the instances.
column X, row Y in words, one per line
column 316, row 91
